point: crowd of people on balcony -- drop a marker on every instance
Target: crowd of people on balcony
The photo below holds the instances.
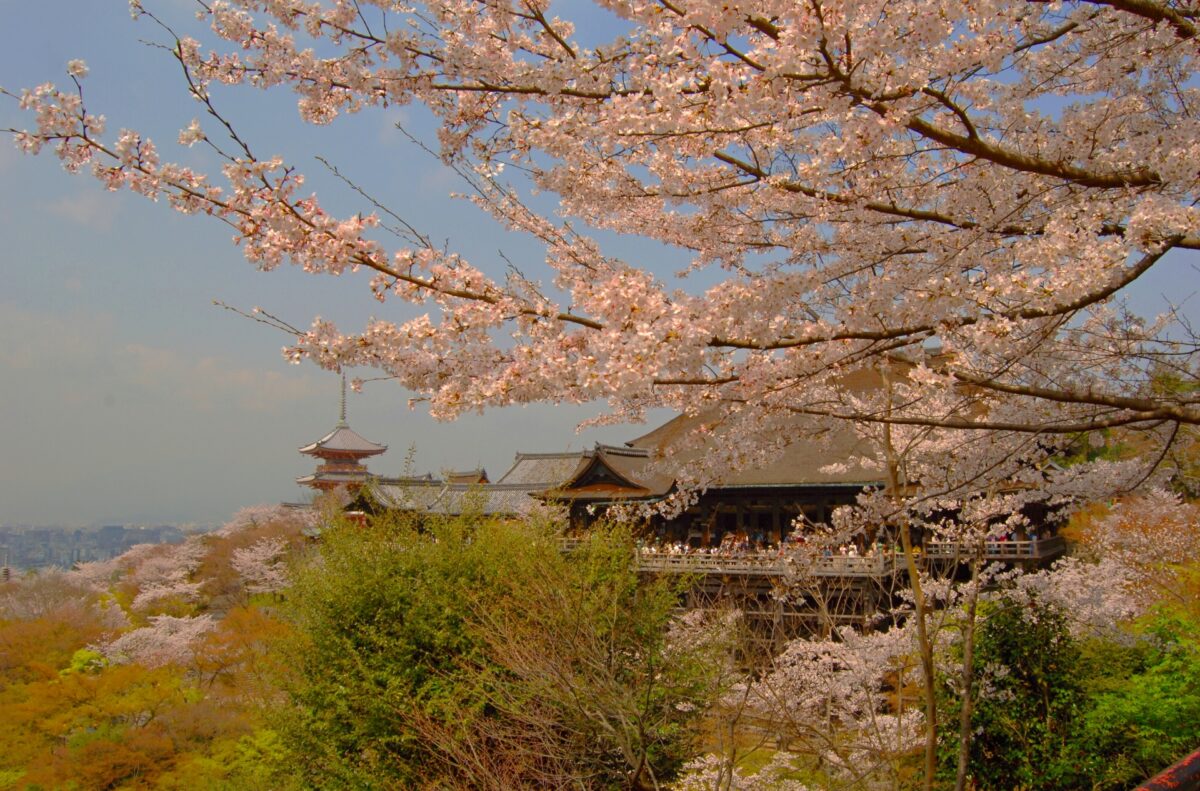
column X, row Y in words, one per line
column 757, row 547
column 740, row 545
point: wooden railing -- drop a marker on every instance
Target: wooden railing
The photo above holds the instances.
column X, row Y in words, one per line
column 1037, row 549
column 1179, row 776
column 797, row 563
column 703, row 563
column 768, row 565
column 838, row 565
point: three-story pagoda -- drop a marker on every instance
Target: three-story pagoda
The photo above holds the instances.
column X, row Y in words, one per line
column 341, row 452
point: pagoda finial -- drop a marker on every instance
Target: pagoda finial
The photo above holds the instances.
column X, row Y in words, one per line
column 342, row 415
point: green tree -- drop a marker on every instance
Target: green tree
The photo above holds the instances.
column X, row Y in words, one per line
column 1029, row 697
column 474, row 653
column 1141, row 721
column 1055, row 712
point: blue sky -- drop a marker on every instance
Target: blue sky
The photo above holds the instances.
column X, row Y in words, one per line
column 125, row 395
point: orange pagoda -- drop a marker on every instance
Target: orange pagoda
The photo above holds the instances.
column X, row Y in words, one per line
column 341, row 453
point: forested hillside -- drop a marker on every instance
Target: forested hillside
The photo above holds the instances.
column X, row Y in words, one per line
column 476, row 654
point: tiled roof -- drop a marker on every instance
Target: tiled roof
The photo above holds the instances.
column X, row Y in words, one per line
column 469, row 477
column 610, row 472
column 490, row 499
column 542, row 470
column 804, row 460
column 447, row 499
column 333, row 477
column 808, row 452
column 345, row 440
column 412, row 495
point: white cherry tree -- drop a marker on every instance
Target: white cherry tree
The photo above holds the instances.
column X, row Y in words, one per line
column 873, row 178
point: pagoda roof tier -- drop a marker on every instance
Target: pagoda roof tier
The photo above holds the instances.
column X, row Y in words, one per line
column 333, row 477
column 343, row 440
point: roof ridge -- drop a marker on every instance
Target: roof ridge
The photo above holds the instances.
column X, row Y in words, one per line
column 621, row 450
column 549, row 454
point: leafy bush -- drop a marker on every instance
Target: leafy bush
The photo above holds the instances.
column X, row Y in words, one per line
column 474, row 653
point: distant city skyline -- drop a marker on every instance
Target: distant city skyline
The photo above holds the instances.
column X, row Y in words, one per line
column 39, row 547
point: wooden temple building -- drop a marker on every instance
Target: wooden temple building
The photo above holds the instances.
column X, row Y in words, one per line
column 761, row 506
column 341, row 469
column 736, row 541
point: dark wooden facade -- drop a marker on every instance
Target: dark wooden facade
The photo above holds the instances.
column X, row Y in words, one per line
column 733, row 540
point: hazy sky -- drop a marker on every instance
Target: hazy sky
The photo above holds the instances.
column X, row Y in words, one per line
column 125, row 395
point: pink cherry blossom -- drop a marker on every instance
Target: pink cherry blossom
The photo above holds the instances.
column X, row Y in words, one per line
column 262, row 565
column 858, row 185
column 166, row 640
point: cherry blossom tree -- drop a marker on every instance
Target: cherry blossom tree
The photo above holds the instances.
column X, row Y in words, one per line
column 949, row 200
column 707, row 773
column 166, row 640
column 164, row 574
column 262, row 565
column 254, row 517
column 990, row 177
column 844, row 699
column 1143, row 552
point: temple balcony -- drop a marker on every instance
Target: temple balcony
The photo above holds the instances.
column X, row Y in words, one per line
column 770, row 564
column 1040, row 549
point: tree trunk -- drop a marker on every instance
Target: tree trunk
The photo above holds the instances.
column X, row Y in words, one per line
column 967, row 679
column 925, row 645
